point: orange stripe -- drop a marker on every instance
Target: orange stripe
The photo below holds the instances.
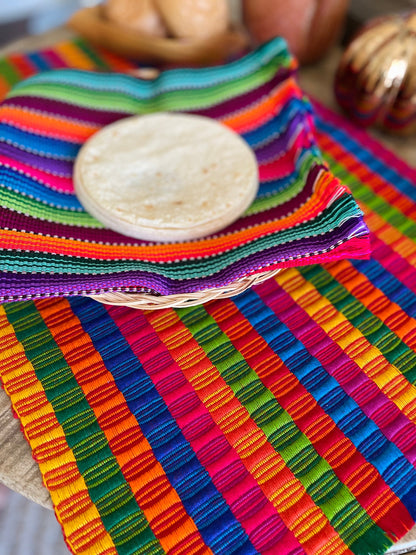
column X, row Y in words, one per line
column 47, row 125
column 73, row 56
column 83, row 527
column 325, row 187
column 362, row 478
column 400, row 243
column 278, row 483
column 165, row 513
column 245, row 120
column 390, row 313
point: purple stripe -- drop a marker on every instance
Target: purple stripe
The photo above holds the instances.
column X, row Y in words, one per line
column 12, row 285
column 44, row 163
column 281, row 143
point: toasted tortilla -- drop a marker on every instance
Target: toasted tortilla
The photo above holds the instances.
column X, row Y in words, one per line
column 166, row 177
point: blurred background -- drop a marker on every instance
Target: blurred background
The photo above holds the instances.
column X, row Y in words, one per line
column 27, row 17
column 23, row 17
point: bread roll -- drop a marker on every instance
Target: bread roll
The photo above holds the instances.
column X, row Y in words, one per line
column 194, row 18
column 139, row 15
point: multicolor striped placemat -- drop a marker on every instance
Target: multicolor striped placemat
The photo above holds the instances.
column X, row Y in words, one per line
column 51, row 246
column 282, row 421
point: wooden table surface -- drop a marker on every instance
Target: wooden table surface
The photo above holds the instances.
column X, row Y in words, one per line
column 18, row 470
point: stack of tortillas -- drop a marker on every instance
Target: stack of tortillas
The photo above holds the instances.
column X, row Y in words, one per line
column 166, row 177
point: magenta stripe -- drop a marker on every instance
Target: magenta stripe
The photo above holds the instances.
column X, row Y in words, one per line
column 53, row 60
column 375, row 405
column 361, row 136
column 241, row 492
column 399, row 267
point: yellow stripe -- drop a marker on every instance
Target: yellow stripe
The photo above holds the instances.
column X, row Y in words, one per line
column 21, row 384
column 260, row 459
column 369, row 359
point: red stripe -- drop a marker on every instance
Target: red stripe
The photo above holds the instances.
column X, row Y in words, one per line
column 363, row 480
column 23, row 65
column 239, row 489
column 344, row 370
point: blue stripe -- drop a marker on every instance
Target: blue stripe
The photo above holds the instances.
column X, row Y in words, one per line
column 343, row 410
column 367, row 157
column 38, row 61
column 38, row 144
column 28, row 186
column 218, row 526
column 295, row 107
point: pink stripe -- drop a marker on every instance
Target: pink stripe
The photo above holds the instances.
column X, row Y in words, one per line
column 356, row 384
column 361, row 136
column 53, row 59
column 285, row 165
column 239, row 489
column 57, row 183
column 295, row 399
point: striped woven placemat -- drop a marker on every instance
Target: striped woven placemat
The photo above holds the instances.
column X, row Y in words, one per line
column 279, row 422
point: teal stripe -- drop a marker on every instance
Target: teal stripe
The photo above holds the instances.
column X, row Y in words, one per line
column 273, row 53
column 115, row 96
column 29, row 261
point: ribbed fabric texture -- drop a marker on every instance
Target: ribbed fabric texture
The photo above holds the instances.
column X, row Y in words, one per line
column 282, row 421
column 51, row 246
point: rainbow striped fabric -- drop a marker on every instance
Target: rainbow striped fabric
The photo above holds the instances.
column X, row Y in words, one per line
column 51, row 246
column 280, row 422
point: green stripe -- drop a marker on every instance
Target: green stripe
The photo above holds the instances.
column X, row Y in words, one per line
column 39, row 210
column 327, row 491
column 166, row 100
column 115, row 502
column 91, row 54
column 29, row 261
column 361, row 318
column 377, row 204
column 9, row 72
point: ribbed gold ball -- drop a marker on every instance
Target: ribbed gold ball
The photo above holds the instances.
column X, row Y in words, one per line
column 376, row 79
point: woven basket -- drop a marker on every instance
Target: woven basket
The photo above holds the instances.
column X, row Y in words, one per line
column 147, row 301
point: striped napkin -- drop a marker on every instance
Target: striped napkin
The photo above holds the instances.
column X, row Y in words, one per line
column 51, row 246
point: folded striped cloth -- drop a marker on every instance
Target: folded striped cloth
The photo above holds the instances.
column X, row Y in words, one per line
column 51, row 246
